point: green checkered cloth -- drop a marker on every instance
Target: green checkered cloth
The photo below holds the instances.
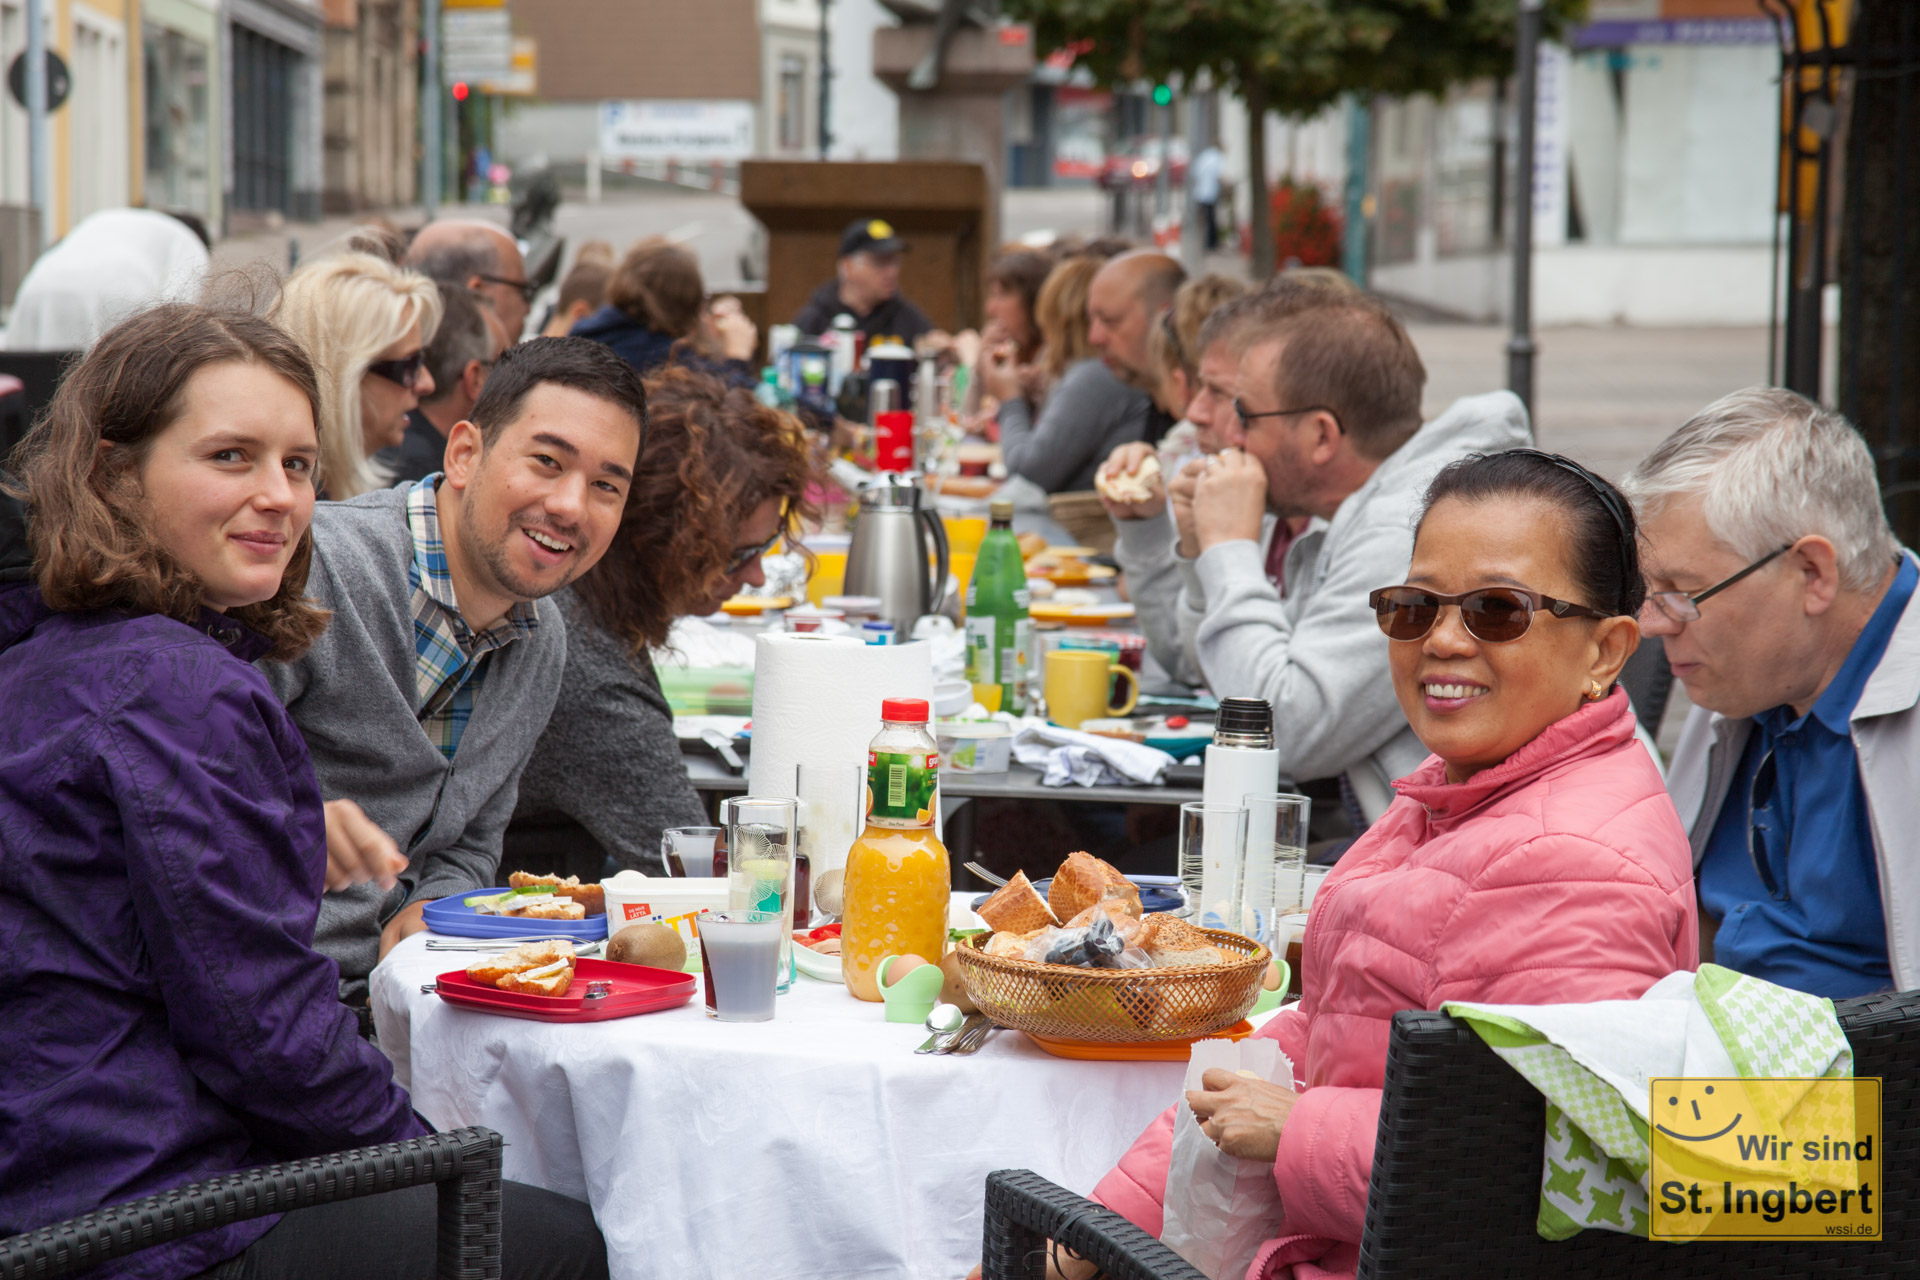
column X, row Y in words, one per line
column 450, row 658
column 1598, row 1148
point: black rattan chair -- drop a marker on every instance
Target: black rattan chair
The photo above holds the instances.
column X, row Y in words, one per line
column 1456, row 1180
column 1649, row 682
column 465, row 1163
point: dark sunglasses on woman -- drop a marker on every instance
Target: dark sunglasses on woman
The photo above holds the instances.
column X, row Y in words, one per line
column 405, row 371
column 1495, row 615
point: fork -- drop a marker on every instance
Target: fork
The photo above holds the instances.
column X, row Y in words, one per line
column 975, row 1036
column 985, row 874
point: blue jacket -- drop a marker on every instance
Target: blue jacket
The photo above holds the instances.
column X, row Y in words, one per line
column 648, row 350
column 162, row 854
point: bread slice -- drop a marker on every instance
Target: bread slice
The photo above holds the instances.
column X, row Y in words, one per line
column 1083, row 880
column 590, row 896
column 1017, row 907
column 1173, row 943
column 528, row 955
column 526, row 880
column 1115, row 909
column 543, row 907
column 546, row 980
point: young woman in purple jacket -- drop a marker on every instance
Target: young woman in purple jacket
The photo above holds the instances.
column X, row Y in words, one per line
column 162, row 844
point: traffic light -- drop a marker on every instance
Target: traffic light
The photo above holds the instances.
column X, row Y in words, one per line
column 459, row 90
column 1162, row 94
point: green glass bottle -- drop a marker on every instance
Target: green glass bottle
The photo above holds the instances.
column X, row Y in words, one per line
column 999, row 628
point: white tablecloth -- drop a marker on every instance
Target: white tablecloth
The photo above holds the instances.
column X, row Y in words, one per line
column 815, row 1145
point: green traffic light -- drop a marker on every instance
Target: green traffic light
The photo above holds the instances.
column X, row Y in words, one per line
column 1162, row 95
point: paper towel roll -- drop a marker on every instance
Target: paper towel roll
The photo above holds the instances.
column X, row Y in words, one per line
column 817, row 697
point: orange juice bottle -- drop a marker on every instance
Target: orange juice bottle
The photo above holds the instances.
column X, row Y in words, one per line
column 897, row 878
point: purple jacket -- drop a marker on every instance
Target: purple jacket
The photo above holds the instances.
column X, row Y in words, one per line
column 162, row 852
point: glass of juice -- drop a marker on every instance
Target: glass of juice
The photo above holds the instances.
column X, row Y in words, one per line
column 761, row 842
column 739, row 962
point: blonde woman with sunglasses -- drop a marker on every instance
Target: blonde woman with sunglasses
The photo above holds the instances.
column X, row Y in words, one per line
column 365, row 324
column 1533, row 859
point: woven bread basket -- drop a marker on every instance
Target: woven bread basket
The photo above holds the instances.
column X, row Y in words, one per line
column 1117, row 1006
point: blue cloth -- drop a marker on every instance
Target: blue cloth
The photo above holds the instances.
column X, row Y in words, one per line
column 167, row 1018
column 649, row 350
column 1829, row 937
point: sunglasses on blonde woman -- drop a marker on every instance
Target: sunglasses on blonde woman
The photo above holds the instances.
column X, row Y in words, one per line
column 1496, row 615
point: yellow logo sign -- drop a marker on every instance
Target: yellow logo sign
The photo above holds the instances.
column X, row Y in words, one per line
column 1766, row 1159
column 880, row 230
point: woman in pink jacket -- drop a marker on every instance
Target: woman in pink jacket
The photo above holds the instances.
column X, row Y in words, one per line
column 1533, row 859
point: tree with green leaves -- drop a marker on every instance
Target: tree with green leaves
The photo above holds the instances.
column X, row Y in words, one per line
column 1294, row 57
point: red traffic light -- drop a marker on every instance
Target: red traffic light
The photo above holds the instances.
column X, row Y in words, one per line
column 460, row 91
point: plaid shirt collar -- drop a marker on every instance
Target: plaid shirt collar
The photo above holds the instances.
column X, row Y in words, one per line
column 431, row 578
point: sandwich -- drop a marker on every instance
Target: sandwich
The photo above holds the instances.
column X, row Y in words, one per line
column 1129, row 487
column 539, row 968
column 1017, row 907
column 528, row 903
column 590, row 896
column 1083, row 880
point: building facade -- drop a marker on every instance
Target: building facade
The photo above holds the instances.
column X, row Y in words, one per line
column 275, row 54
column 371, row 105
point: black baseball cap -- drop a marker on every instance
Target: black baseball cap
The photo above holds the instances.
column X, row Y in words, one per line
column 870, row 235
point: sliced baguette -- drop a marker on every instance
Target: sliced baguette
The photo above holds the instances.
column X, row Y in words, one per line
column 1172, row 943
column 1017, row 907
column 1083, row 880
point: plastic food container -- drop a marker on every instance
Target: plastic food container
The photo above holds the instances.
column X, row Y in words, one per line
column 632, row 896
column 975, row 746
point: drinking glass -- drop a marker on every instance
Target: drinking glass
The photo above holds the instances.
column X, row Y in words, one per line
column 740, row 962
column 1274, row 894
column 833, row 808
column 683, row 847
column 1212, row 842
column 760, row 849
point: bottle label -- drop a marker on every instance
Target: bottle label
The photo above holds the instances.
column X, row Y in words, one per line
column 980, row 651
column 903, row 788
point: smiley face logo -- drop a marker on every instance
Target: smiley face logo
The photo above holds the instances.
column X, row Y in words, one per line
column 1698, row 1120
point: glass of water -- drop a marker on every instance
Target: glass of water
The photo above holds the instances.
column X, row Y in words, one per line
column 1212, row 842
column 689, row 851
column 833, row 809
column 760, row 858
column 1273, row 894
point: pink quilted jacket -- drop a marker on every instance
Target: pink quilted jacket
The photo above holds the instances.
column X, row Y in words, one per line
column 1561, row 875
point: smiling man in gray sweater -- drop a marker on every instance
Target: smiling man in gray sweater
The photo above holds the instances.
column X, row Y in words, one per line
column 423, row 699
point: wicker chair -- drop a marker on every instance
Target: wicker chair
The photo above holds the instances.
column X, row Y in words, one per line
column 1456, row 1180
column 465, row 1162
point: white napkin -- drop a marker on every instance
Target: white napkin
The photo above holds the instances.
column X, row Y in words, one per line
column 1067, row 755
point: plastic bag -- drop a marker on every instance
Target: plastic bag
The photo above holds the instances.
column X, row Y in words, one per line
column 1086, row 947
column 1131, row 958
column 1219, row 1208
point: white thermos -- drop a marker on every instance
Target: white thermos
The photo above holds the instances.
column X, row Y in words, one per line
column 1241, row 761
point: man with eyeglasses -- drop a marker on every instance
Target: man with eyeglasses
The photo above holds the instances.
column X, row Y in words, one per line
column 1787, row 609
column 1326, row 411
column 464, row 350
column 480, row 256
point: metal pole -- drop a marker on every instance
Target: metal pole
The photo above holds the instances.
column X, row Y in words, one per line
column 826, row 85
column 1520, row 347
column 1353, row 255
column 39, row 189
column 1193, row 236
column 1163, row 180
column 432, row 92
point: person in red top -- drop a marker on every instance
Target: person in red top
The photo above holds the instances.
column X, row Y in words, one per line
column 1533, row 859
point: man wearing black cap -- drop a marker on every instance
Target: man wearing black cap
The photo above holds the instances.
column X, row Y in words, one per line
column 866, row 287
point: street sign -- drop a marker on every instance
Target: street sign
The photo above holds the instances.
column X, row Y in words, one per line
column 670, row 130
column 523, row 81
column 475, row 44
column 59, row 82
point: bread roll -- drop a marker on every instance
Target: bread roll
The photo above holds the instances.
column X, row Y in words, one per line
column 1016, row 907
column 1115, row 909
column 1136, row 486
column 591, row 897
column 528, row 955
column 1083, row 880
column 547, row 980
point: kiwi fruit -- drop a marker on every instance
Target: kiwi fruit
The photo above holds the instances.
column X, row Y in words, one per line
column 658, row 946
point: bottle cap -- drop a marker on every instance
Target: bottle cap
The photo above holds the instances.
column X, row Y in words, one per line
column 1001, row 509
column 911, row 710
column 1244, row 716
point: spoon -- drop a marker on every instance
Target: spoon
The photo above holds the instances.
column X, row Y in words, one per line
column 943, row 1021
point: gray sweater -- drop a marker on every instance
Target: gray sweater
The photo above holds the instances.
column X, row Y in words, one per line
column 1089, row 414
column 607, row 776
column 354, row 698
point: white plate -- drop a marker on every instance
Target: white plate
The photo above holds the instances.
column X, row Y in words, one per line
column 815, row 965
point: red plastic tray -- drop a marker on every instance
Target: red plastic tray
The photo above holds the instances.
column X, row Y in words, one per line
column 636, row 989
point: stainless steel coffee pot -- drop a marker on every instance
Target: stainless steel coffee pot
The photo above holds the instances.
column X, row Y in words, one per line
column 893, row 539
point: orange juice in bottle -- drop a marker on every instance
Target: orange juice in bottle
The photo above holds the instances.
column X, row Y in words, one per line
column 897, row 878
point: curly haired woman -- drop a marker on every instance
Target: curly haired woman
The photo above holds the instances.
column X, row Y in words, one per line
column 723, row 478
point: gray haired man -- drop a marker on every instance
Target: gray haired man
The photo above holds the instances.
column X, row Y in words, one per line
column 1788, row 612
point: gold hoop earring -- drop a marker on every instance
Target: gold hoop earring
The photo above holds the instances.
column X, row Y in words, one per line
column 1595, row 692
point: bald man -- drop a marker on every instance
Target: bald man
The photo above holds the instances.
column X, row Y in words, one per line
column 1124, row 302
column 480, row 256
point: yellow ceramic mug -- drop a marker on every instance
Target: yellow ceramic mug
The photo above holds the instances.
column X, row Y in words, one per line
column 1078, row 684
